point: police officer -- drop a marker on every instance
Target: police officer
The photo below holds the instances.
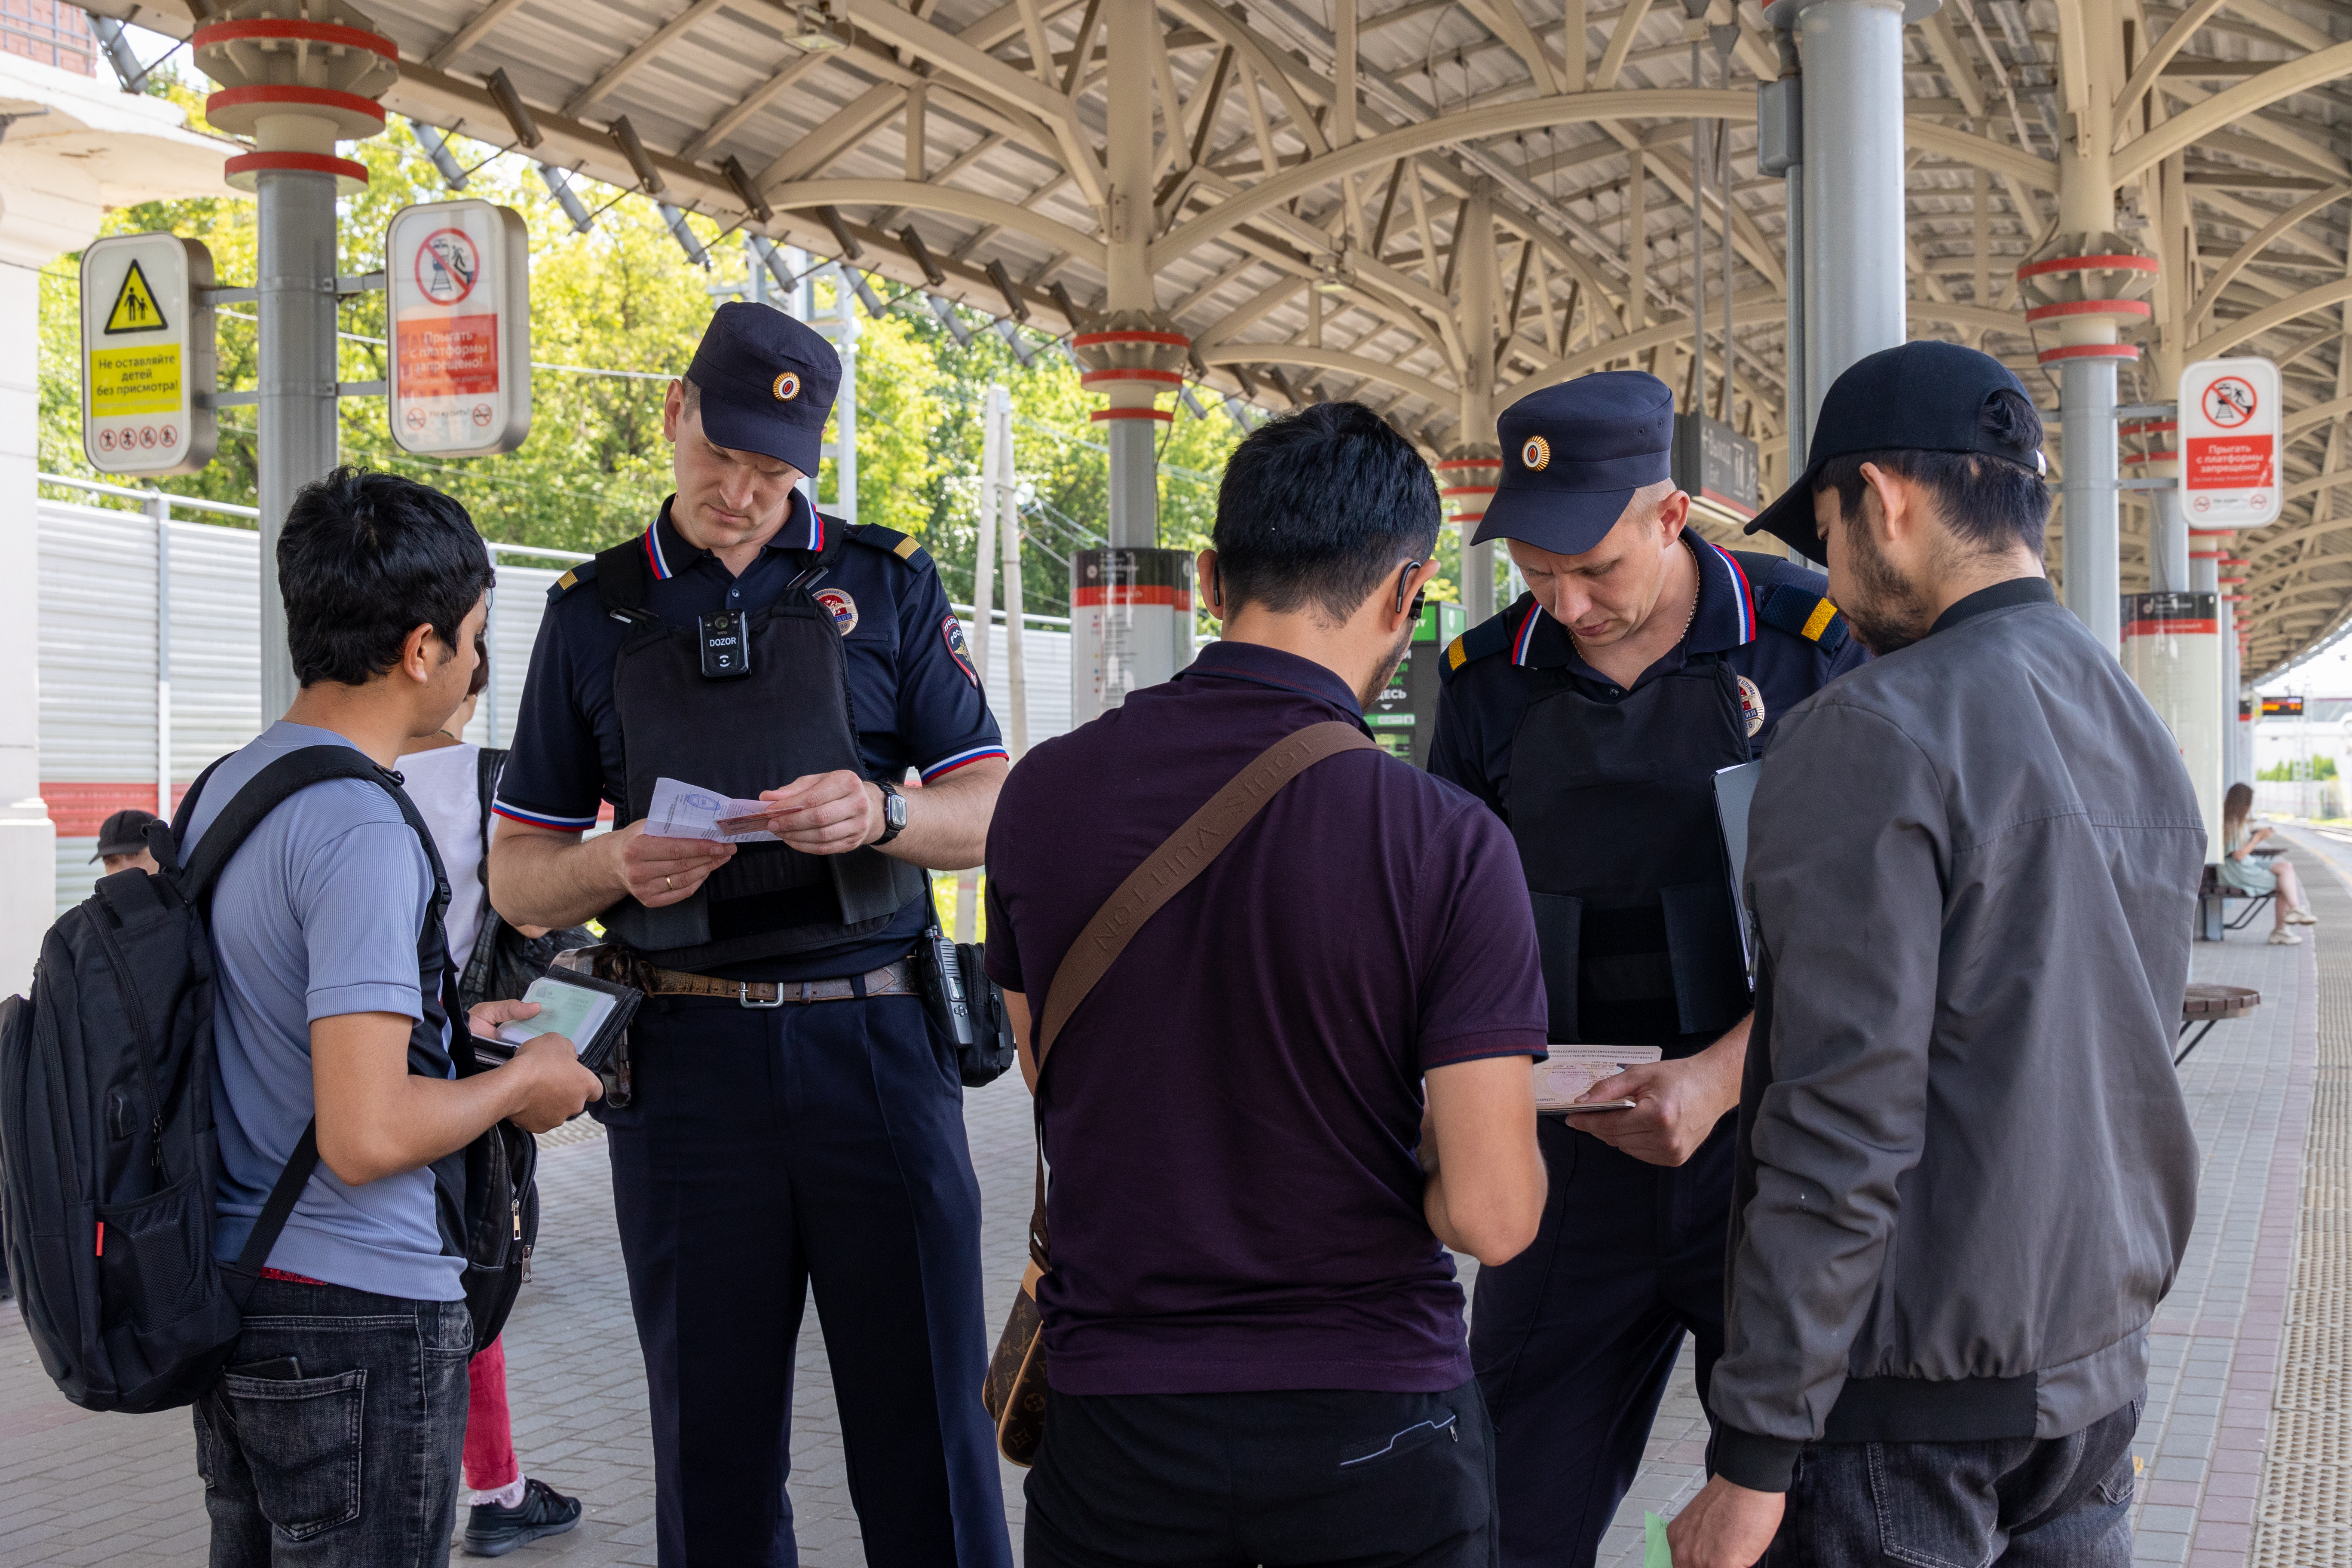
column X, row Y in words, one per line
column 792, row 1117
column 1592, row 714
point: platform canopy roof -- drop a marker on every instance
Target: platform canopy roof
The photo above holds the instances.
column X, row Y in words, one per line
column 1312, row 160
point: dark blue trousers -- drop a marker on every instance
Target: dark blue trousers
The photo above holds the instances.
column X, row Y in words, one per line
column 768, row 1151
column 1574, row 1339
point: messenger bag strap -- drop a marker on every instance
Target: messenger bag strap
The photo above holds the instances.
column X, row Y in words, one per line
column 1164, row 873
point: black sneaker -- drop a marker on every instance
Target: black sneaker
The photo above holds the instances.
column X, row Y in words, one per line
column 493, row 1531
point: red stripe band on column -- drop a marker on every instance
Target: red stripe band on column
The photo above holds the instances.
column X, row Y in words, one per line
column 295, row 164
column 212, row 33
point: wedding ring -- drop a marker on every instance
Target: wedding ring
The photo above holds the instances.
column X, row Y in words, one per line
column 670, row 885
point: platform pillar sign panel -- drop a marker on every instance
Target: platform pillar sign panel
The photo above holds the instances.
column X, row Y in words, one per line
column 2229, row 413
column 147, row 357
column 1130, row 624
column 2172, row 651
column 457, row 286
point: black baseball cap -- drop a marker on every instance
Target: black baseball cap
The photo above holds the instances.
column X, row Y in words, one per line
column 123, row 833
column 1574, row 454
column 1921, row 398
column 767, row 384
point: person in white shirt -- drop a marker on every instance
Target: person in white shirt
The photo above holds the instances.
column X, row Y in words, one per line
column 442, row 775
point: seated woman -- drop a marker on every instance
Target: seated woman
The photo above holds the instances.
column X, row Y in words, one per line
column 2240, row 874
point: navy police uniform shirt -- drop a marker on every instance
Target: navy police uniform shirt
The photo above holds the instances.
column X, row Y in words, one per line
column 914, row 695
column 1769, row 618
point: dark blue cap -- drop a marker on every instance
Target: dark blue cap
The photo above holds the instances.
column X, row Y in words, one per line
column 1925, row 396
column 1574, row 454
column 767, row 384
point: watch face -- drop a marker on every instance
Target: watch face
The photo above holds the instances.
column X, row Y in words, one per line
column 893, row 810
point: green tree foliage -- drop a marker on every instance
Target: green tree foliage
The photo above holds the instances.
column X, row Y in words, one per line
column 2319, row 767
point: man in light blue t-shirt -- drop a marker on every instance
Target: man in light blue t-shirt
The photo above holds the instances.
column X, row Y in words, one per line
column 334, row 1435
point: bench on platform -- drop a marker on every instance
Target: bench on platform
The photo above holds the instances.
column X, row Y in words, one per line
column 2212, row 914
column 2206, row 1005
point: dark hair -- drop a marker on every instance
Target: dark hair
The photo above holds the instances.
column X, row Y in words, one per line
column 1989, row 501
column 365, row 559
column 1319, row 506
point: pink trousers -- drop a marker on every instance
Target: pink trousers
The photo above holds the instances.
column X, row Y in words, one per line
column 489, row 1434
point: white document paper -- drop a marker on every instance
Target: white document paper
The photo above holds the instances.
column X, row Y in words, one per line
column 575, row 1012
column 1567, row 1073
column 687, row 811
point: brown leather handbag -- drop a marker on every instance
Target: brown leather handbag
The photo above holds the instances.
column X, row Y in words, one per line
column 1015, row 1391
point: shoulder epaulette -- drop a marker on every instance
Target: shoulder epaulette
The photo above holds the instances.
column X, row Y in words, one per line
column 1491, row 635
column 1796, row 609
column 585, row 571
column 890, row 542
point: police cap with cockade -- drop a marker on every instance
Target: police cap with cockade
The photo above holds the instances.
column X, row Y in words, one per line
column 1925, row 396
column 1574, row 454
column 767, row 384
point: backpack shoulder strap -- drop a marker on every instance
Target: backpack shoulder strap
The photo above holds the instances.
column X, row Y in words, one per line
column 1170, row 870
column 489, row 766
column 275, row 1213
column 263, row 794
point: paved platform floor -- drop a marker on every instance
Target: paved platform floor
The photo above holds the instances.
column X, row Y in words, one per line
column 78, row 1488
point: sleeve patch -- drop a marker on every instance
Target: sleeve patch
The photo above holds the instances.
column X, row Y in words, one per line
column 951, row 633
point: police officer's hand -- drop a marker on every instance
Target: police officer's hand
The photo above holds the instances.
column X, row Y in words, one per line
column 554, row 1086
column 657, row 870
column 1678, row 1102
column 825, row 813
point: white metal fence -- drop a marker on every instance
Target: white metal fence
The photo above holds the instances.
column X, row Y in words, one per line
column 150, row 667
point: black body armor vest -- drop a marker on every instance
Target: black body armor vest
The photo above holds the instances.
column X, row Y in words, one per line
column 788, row 718
column 1613, row 806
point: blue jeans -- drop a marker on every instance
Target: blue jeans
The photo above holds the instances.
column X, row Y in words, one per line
column 2020, row 1502
column 349, row 1454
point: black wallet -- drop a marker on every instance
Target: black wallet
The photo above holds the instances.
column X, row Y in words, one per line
column 592, row 1053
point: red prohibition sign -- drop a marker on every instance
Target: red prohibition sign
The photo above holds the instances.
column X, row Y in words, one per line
column 447, row 263
column 2229, row 402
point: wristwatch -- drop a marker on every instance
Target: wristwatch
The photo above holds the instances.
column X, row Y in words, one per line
column 894, row 812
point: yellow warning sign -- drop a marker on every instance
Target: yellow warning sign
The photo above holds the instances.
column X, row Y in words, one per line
column 135, row 310
column 134, row 380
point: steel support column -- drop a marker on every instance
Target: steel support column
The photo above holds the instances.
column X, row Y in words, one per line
column 1476, row 248
column 1855, row 266
column 315, row 85
column 2086, row 401
column 297, row 438
column 2167, row 543
column 1126, row 135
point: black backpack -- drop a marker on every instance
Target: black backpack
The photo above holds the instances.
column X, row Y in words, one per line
column 109, row 1156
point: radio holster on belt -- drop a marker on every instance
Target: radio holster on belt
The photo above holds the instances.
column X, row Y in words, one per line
column 1014, row 1393
column 967, row 1005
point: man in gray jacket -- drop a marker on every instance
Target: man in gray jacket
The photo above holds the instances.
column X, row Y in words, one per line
column 1965, row 1173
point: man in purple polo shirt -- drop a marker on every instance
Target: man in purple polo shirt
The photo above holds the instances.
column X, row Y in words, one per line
column 1303, row 1080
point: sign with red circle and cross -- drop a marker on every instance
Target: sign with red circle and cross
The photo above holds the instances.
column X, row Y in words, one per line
column 457, row 279
column 2230, row 442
